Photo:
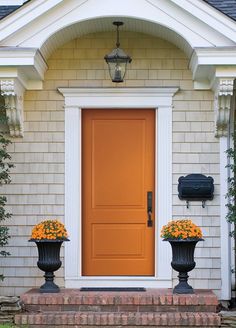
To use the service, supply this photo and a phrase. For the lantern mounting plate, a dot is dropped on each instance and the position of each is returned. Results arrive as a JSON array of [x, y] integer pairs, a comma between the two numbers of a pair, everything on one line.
[[118, 23]]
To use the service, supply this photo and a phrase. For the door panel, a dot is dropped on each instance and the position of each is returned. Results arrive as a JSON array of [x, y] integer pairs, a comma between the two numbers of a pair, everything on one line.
[[117, 172]]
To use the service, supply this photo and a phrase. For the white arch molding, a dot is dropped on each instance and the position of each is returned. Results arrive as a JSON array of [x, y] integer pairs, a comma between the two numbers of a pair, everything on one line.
[[178, 16], [77, 99]]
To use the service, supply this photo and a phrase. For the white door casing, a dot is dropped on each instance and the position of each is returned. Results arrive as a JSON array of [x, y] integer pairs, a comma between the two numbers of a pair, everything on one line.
[[77, 99]]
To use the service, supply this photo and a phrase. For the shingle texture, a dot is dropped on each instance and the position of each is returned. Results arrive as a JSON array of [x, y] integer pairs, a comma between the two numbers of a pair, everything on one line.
[[228, 7], [6, 10]]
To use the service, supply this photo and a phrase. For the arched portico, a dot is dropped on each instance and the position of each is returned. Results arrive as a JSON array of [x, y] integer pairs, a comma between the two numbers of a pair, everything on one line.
[[63, 21]]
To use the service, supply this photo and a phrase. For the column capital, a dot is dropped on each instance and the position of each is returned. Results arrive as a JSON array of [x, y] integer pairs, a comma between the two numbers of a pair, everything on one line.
[[13, 93], [224, 89]]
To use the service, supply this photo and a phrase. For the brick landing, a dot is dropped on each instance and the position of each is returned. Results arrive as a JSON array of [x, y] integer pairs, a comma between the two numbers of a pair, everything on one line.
[[155, 307]]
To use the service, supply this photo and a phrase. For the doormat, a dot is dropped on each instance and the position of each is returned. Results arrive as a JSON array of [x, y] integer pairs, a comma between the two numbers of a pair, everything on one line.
[[112, 289]]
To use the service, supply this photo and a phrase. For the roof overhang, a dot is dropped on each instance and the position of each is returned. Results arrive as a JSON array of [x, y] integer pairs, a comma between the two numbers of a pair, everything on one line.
[[207, 63], [33, 32], [26, 64]]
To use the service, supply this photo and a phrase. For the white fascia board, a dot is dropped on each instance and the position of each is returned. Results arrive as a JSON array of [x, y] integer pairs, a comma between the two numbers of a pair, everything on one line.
[[222, 23], [25, 15], [163, 12], [79, 10]]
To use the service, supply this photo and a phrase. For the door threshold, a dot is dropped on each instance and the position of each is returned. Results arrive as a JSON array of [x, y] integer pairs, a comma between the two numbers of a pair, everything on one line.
[[115, 282]]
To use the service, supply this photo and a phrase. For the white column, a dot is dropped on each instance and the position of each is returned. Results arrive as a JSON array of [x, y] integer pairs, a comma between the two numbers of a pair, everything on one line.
[[225, 226], [164, 188], [73, 191], [223, 101]]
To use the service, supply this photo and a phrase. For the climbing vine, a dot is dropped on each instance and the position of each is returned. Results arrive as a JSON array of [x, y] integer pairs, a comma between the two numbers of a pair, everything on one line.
[[231, 195], [5, 166]]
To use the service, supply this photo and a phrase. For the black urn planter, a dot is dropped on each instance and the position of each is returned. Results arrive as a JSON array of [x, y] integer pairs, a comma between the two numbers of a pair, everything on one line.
[[49, 261], [183, 262]]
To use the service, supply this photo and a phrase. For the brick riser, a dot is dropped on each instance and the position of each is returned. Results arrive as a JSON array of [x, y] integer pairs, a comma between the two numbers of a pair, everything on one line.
[[186, 319], [120, 308], [155, 307]]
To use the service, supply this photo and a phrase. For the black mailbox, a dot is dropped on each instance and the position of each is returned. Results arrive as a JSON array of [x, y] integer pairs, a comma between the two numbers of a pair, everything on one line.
[[196, 187]]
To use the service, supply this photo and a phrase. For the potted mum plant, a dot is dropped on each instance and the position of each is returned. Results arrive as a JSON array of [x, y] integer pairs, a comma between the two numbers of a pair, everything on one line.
[[49, 236], [183, 235]]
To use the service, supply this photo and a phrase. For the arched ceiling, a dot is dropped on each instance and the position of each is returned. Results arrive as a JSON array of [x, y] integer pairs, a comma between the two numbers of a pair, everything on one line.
[[105, 24]]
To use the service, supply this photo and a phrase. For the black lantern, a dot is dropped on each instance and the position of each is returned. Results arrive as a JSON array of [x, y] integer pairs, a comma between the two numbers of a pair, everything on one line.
[[117, 60]]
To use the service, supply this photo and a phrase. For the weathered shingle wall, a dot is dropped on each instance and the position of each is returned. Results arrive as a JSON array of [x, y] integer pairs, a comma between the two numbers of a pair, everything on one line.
[[37, 189]]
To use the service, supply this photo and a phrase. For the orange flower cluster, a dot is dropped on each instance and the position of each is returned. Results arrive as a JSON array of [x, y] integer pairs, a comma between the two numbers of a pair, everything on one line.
[[49, 229], [181, 229]]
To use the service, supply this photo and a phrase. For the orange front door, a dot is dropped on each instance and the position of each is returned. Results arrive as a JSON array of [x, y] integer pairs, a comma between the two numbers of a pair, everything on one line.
[[117, 173]]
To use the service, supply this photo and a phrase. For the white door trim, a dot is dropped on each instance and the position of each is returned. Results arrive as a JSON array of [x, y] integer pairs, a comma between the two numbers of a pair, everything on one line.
[[75, 100]]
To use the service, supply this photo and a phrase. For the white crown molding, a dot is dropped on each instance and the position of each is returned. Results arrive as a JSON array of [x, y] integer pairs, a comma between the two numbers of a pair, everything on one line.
[[223, 95], [27, 64], [118, 97], [12, 91], [207, 63]]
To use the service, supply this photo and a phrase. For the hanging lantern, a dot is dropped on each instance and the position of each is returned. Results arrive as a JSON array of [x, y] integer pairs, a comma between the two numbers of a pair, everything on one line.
[[117, 60]]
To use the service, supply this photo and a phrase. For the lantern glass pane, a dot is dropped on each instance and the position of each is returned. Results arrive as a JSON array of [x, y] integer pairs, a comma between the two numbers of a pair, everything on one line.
[[117, 70]]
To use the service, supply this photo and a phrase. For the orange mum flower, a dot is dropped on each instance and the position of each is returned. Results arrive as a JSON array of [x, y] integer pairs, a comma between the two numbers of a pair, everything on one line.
[[181, 229], [49, 229]]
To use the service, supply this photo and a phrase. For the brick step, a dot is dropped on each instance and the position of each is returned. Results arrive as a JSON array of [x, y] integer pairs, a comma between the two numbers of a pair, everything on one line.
[[118, 308], [128, 319], [154, 307], [152, 300]]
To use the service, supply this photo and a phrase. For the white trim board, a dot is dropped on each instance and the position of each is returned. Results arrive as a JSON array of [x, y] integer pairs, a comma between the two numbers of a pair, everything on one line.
[[77, 99]]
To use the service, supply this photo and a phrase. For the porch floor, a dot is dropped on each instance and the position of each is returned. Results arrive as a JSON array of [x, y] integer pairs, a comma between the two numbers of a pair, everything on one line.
[[153, 307]]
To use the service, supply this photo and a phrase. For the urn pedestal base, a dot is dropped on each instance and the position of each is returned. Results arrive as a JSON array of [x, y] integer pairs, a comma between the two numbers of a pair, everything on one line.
[[49, 286], [183, 262], [49, 261], [183, 287]]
